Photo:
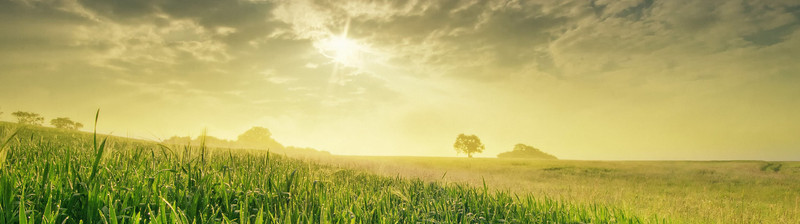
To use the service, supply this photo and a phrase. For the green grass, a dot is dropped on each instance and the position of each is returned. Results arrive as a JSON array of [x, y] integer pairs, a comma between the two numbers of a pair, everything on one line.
[[684, 191], [55, 176]]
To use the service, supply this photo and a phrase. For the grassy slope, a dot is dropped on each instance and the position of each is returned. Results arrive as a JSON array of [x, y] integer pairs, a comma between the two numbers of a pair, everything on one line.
[[47, 178], [698, 192]]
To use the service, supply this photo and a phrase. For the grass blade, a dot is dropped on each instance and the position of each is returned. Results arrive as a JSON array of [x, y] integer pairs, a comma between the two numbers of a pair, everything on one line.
[[23, 219], [3, 150], [97, 158], [98, 150]]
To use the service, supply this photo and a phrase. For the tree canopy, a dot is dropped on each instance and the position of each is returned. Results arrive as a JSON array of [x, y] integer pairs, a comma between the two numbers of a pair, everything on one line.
[[65, 123], [525, 152], [468, 144], [28, 118], [260, 137]]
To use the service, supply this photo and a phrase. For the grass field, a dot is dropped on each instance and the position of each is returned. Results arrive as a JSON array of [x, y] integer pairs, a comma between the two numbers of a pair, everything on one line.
[[684, 191], [54, 176]]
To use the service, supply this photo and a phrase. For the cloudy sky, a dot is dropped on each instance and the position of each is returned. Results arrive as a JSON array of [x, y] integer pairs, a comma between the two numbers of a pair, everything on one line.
[[618, 79]]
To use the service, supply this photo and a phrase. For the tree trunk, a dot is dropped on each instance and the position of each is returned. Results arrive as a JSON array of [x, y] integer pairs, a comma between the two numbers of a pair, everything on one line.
[[469, 155]]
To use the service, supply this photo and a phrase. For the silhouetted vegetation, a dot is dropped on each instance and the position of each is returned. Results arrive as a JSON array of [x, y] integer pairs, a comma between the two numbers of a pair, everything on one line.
[[28, 118], [468, 144], [522, 151], [209, 141], [255, 138], [258, 137], [65, 123]]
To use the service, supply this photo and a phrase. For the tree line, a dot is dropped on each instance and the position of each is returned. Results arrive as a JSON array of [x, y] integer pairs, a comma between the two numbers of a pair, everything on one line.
[[31, 118], [254, 138], [471, 144], [261, 137]]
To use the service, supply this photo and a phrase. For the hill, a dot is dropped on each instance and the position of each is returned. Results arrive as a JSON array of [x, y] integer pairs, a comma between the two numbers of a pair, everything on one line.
[[522, 151]]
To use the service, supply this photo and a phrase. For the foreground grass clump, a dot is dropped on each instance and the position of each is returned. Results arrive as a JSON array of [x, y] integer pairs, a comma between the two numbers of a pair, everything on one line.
[[54, 176]]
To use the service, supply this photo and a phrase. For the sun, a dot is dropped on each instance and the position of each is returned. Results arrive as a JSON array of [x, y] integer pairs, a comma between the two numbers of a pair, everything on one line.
[[342, 50]]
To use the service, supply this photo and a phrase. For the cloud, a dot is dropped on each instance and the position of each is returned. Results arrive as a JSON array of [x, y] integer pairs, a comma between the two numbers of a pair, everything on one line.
[[583, 64], [576, 39], [213, 46]]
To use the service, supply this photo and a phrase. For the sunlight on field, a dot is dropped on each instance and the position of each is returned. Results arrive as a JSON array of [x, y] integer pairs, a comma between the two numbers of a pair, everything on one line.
[[59, 176], [382, 111], [702, 192]]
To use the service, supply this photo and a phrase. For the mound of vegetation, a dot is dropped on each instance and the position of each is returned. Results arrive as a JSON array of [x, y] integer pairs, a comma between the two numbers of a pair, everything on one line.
[[255, 138], [59, 176], [522, 151]]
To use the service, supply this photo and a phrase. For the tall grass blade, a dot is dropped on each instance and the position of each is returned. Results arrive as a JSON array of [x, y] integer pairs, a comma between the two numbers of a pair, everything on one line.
[[94, 137], [98, 150], [23, 218], [203, 148], [4, 149], [98, 156]]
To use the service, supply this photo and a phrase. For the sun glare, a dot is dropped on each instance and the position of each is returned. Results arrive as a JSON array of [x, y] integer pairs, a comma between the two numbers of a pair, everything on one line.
[[341, 50]]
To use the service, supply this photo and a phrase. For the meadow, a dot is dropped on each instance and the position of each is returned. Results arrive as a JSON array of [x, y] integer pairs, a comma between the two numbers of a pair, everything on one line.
[[56, 176], [684, 191]]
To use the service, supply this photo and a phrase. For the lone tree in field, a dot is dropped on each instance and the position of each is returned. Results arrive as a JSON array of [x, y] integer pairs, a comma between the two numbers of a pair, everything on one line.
[[468, 144], [28, 118], [65, 123], [522, 151]]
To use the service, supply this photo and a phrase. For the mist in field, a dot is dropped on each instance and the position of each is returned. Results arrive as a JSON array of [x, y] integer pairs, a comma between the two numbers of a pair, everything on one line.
[[600, 80]]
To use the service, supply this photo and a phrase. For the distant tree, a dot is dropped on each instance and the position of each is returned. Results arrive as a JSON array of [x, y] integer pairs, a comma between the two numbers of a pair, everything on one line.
[[28, 118], [468, 144], [65, 123], [259, 137], [525, 151], [62, 122]]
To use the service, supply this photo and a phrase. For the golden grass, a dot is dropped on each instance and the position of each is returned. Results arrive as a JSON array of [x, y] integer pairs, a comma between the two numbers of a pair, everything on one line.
[[687, 191]]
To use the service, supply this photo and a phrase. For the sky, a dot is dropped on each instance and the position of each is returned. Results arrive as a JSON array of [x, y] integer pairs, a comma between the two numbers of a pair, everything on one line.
[[594, 80]]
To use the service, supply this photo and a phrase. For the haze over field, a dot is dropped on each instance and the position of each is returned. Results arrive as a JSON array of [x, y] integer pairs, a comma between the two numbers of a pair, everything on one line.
[[578, 79]]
